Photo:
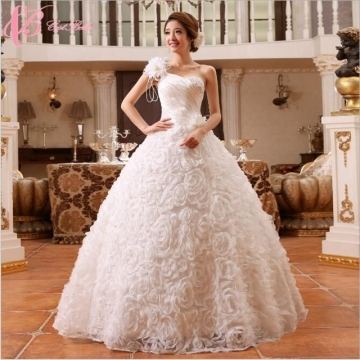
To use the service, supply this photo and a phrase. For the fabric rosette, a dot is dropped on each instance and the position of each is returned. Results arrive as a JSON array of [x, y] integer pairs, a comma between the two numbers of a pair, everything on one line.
[[187, 119], [195, 121]]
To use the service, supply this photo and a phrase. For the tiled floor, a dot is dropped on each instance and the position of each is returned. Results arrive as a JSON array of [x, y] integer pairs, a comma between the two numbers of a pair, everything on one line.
[[29, 299]]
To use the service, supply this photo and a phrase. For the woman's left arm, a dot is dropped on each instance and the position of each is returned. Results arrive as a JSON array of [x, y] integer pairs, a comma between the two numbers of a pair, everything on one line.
[[195, 137], [212, 93]]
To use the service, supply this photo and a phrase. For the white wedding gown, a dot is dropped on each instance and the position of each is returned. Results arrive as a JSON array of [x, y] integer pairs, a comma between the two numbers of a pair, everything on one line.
[[181, 258]]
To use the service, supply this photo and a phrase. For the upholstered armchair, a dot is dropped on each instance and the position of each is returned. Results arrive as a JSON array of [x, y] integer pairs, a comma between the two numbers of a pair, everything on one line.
[[31, 208], [305, 198]]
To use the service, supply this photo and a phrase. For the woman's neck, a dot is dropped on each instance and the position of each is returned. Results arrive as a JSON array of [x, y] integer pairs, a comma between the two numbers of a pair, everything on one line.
[[180, 60]]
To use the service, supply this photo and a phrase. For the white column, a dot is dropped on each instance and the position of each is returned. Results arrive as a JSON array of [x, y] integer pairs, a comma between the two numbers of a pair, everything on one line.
[[12, 253], [132, 25], [119, 19], [166, 6], [72, 20], [93, 18], [31, 7], [301, 19], [23, 16], [239, 38], [230, 99], [242, 25], [39, 38], [252, 21], [11, 68], [335, 22], [355, 13], [87, 20], [104, 37], [320, 20], [331, 100], [343, 239], [288, 32], [270, 33], [307, 23], [226, 24], [202, 14], [56, 19], [104, 98], [214, 22], [143, 23]]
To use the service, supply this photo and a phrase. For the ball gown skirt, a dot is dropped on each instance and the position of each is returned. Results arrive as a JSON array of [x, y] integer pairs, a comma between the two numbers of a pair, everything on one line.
[[181, 257]]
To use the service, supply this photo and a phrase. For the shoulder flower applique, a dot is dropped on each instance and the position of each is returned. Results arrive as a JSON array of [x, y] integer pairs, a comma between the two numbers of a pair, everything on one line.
[[155, 70]]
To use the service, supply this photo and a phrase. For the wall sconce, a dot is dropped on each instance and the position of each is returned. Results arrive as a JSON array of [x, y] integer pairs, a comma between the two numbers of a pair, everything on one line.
[[80, 111], [54, 104], [25, 114], [283, 92]]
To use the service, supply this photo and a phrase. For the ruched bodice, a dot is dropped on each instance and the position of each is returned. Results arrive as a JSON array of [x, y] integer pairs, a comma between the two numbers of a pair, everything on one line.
[[180, 94]]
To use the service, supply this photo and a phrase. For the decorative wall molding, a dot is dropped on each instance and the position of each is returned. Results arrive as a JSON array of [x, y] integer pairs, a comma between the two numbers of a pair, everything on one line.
[[48, 73], [327, 63], [12, 67], [344, 140], [86, 72], [341, 261], [232, 75], [102, 77], [279, 70], [346, 214], [14, 266]]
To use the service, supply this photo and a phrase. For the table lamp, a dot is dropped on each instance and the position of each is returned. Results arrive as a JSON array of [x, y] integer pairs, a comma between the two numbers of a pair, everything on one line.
[[25, 114], [80, 111]]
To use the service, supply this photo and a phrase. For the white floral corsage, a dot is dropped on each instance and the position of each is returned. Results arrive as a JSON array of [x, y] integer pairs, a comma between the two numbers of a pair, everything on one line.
[[199, 40], [197, 122], [156, 68]]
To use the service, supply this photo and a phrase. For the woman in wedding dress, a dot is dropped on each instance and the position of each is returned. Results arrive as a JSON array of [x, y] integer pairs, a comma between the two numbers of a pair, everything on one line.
[[181, 257]]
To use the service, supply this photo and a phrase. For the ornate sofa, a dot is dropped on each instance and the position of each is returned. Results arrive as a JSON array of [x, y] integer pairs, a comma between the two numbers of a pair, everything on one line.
[[305, 198], [76, 191]]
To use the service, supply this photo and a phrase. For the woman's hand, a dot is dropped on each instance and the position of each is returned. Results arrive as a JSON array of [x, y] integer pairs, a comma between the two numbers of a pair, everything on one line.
[[161, 125], [194, 138]]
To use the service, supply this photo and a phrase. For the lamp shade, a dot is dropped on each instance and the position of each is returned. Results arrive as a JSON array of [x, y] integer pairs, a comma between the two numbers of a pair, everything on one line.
[[80, 110], [25, 111]]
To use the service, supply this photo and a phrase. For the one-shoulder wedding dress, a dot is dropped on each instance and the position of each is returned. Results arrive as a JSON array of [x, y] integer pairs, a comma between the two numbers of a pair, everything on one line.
[[181, 258]]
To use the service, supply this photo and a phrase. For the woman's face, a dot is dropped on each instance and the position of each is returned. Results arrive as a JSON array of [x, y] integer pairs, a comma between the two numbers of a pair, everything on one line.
[[176, 38]]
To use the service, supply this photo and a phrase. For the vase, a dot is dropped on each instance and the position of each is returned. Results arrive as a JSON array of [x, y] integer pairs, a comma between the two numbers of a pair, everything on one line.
[[348, 88]]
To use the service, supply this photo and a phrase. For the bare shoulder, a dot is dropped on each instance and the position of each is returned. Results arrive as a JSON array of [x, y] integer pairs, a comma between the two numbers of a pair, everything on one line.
[[207, 71]]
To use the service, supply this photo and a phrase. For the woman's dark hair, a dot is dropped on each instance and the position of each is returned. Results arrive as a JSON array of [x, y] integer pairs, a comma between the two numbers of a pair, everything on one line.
[[189, 23]]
